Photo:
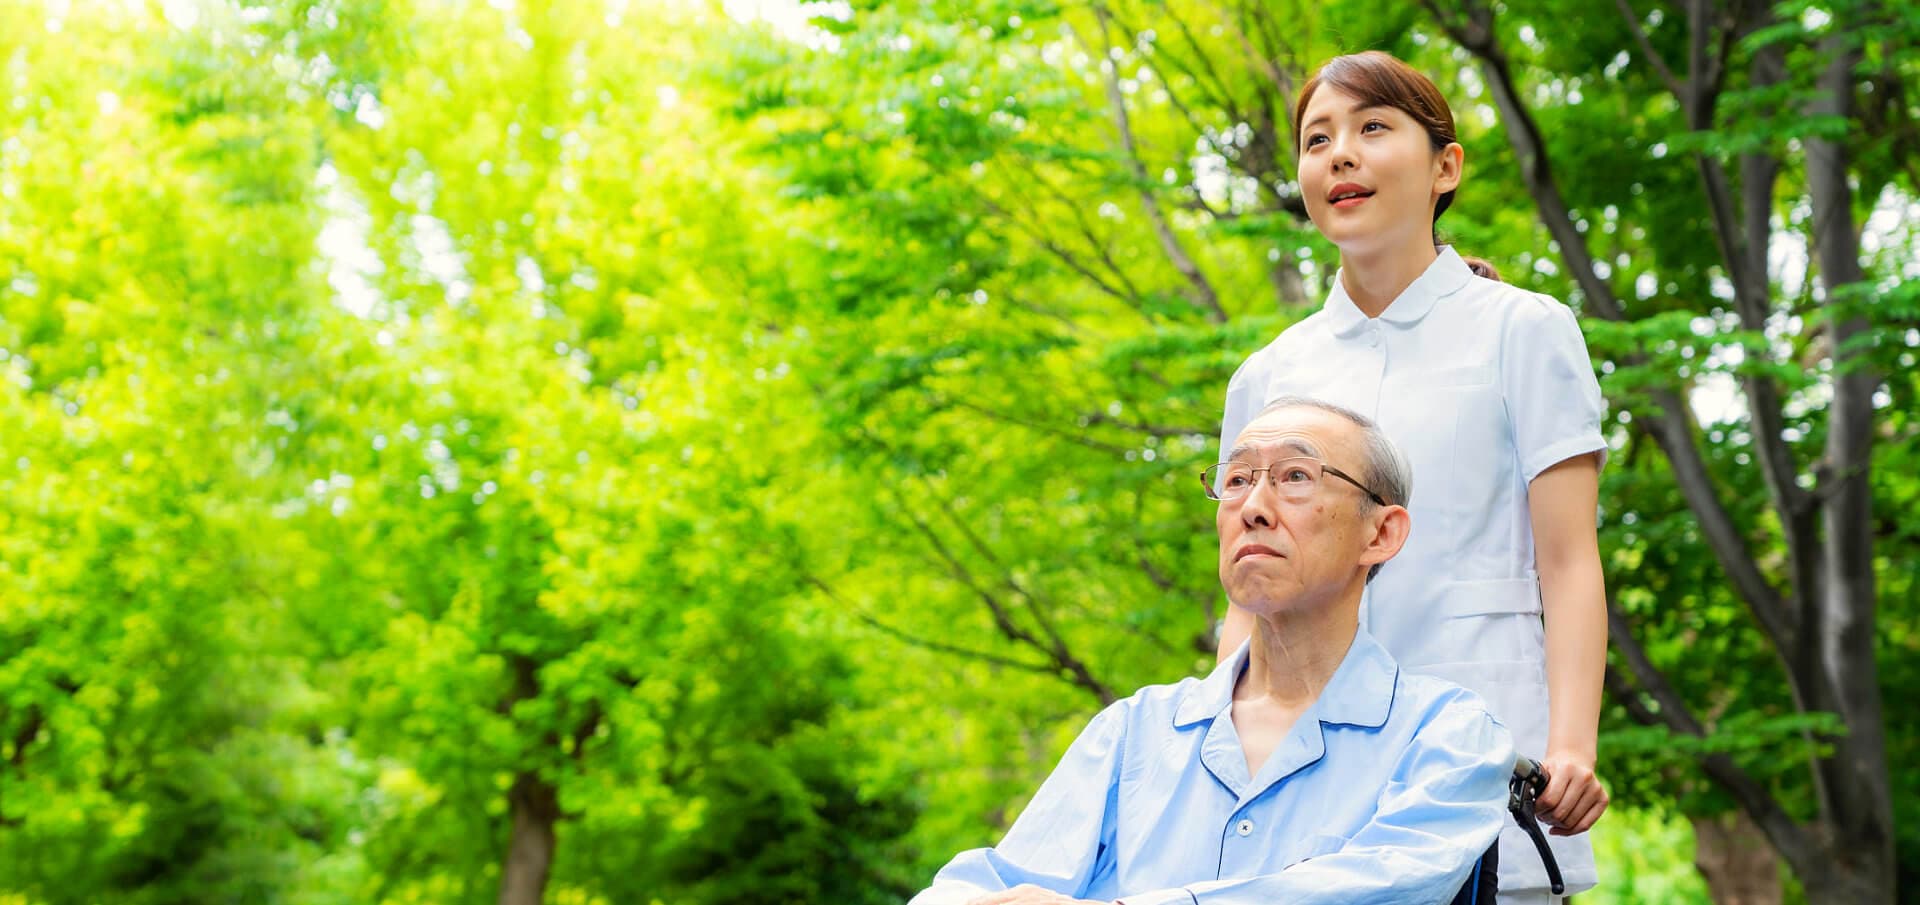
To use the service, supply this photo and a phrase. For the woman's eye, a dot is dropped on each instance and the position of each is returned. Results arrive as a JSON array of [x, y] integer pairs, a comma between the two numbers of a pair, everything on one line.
[[1315, 139], [1236, 480], [1371, 124]]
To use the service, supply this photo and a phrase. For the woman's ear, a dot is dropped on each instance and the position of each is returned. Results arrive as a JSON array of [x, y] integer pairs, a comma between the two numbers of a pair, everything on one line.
[[1447, 165]]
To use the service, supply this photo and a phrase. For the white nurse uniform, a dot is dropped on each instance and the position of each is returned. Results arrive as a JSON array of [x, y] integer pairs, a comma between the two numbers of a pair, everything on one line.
[[1483, 386]]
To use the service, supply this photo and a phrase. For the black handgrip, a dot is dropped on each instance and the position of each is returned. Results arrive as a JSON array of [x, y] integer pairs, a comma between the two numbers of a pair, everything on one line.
[[1528, 781]]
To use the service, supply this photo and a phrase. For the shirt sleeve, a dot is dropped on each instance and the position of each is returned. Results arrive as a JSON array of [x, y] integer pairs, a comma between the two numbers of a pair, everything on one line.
[[1063, 839], [1246, 396], [1552, 395], [1439, 813]]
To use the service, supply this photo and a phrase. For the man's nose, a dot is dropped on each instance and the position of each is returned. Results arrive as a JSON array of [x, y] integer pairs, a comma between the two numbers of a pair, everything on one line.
[[1258, 508]]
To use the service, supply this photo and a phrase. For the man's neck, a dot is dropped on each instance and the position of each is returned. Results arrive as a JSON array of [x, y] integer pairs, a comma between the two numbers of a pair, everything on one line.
[[1295, 653], [1374, 280]]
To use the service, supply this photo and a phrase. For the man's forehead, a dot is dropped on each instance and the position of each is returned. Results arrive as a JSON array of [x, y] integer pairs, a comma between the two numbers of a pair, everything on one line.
[[1301, 430]]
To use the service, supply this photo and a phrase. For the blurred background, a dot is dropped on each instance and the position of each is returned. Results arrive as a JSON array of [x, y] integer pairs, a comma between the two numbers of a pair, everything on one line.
[[657, 451]]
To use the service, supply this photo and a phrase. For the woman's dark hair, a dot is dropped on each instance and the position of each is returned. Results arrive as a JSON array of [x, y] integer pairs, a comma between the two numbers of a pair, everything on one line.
[[1482, 268], [1379, 80]]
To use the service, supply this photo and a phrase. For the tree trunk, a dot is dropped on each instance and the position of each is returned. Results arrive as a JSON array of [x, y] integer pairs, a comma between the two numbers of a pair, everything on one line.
[[1853, 783], [535, 807], [1825, 629], [1736, 860]]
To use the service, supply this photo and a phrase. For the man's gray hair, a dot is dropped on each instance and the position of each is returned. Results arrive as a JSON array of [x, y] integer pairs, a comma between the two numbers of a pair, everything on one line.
[[1385, 471]]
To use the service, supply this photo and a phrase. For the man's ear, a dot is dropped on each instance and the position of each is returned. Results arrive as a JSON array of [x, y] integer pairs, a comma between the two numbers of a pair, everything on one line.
[[1390, 526]]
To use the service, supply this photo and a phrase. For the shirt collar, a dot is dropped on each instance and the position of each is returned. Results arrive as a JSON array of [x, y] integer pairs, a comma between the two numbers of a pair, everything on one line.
[[1359, 694], [1445, 276]]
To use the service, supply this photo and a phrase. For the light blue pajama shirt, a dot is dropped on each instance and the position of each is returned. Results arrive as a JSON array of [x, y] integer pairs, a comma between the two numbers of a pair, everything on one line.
[[1388, 789]]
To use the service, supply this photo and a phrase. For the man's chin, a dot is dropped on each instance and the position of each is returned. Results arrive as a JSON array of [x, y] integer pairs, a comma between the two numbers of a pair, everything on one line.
[[1264, 596]]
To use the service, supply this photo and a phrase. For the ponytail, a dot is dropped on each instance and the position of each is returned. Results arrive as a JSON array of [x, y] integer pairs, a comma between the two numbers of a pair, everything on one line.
[[1481, 268]]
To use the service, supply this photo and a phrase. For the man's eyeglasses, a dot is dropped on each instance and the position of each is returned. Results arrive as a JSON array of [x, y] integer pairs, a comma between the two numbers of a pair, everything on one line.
[[1297, 479]]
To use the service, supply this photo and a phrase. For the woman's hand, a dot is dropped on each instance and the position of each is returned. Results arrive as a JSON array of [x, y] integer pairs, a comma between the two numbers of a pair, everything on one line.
[[1573, 799]]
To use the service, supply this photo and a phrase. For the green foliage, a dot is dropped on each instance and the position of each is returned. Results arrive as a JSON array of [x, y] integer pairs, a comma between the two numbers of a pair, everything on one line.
[[775, 439]]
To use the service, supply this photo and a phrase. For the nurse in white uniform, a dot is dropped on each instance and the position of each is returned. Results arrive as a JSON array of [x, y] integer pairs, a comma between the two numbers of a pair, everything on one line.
[[1488, 390]]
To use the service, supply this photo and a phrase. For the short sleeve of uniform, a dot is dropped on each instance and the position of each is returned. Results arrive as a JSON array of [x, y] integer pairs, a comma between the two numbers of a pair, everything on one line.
[[1552, 396], [1246, 396]]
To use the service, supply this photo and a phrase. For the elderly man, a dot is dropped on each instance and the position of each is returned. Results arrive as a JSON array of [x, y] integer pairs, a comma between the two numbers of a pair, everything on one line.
[[1307, 768]]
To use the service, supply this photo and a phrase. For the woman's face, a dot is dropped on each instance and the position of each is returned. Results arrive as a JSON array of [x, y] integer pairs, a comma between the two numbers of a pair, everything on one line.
[[1370, 175]]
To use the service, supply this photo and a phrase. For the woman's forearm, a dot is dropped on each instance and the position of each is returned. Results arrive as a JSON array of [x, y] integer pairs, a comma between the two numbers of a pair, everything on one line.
[[1563, 500], [1576, 623]]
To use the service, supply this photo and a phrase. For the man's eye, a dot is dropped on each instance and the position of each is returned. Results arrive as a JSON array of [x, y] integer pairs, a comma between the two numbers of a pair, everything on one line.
[[1238, 480], [1296, 476]]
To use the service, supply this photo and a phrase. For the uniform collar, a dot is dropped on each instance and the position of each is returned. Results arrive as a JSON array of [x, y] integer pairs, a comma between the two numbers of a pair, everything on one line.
[[1445, 276], [1359, 694]]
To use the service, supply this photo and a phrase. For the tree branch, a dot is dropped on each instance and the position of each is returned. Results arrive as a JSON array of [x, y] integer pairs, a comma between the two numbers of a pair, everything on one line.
[[941, 647], [1646, 48], [1124, 291], [1843, 614], [1100, 246], [1061, 654], [1053, 647], [1063, 433], [1155, 430], [1204, 297], [1673, 426], [1221, 93], [1673, 713], [1781, 830], [1743, 247]]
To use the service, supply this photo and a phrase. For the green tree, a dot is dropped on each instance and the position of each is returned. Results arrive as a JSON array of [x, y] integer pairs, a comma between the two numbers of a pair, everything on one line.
[[1071, 207], [153, 731], [1790, 119], [544, 457]]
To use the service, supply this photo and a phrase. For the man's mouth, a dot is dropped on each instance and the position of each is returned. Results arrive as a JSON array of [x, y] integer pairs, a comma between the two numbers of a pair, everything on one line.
[[1254, 550]]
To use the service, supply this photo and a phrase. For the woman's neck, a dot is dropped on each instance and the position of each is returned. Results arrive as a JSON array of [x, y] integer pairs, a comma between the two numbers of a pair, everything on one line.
[[1374, 280]]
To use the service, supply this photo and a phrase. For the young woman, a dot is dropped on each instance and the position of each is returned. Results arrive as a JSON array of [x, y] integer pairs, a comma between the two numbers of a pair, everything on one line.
[[1489, 392]]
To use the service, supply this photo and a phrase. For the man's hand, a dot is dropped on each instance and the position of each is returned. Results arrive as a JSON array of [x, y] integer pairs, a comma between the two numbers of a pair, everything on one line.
[[1029, 894], [1573, 799]]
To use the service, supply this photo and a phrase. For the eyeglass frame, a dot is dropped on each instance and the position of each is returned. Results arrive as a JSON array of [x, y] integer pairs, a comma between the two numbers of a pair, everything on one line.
[[1324, 467]]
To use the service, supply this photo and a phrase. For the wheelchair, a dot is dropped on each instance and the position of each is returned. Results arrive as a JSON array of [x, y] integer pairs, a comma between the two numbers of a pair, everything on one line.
[[1523, 788]]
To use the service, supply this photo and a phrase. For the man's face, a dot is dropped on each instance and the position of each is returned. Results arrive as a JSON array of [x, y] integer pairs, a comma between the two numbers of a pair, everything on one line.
[[1279, 554]]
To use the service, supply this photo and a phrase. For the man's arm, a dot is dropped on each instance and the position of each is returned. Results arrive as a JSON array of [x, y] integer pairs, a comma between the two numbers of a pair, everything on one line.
[[1062, 838], [1441, 811]]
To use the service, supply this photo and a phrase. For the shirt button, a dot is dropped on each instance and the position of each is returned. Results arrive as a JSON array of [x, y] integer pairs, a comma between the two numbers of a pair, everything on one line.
[[1244, 828]]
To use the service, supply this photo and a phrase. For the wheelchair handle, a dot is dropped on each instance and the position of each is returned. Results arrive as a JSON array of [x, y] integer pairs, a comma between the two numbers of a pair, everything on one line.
[[1528, 781]]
